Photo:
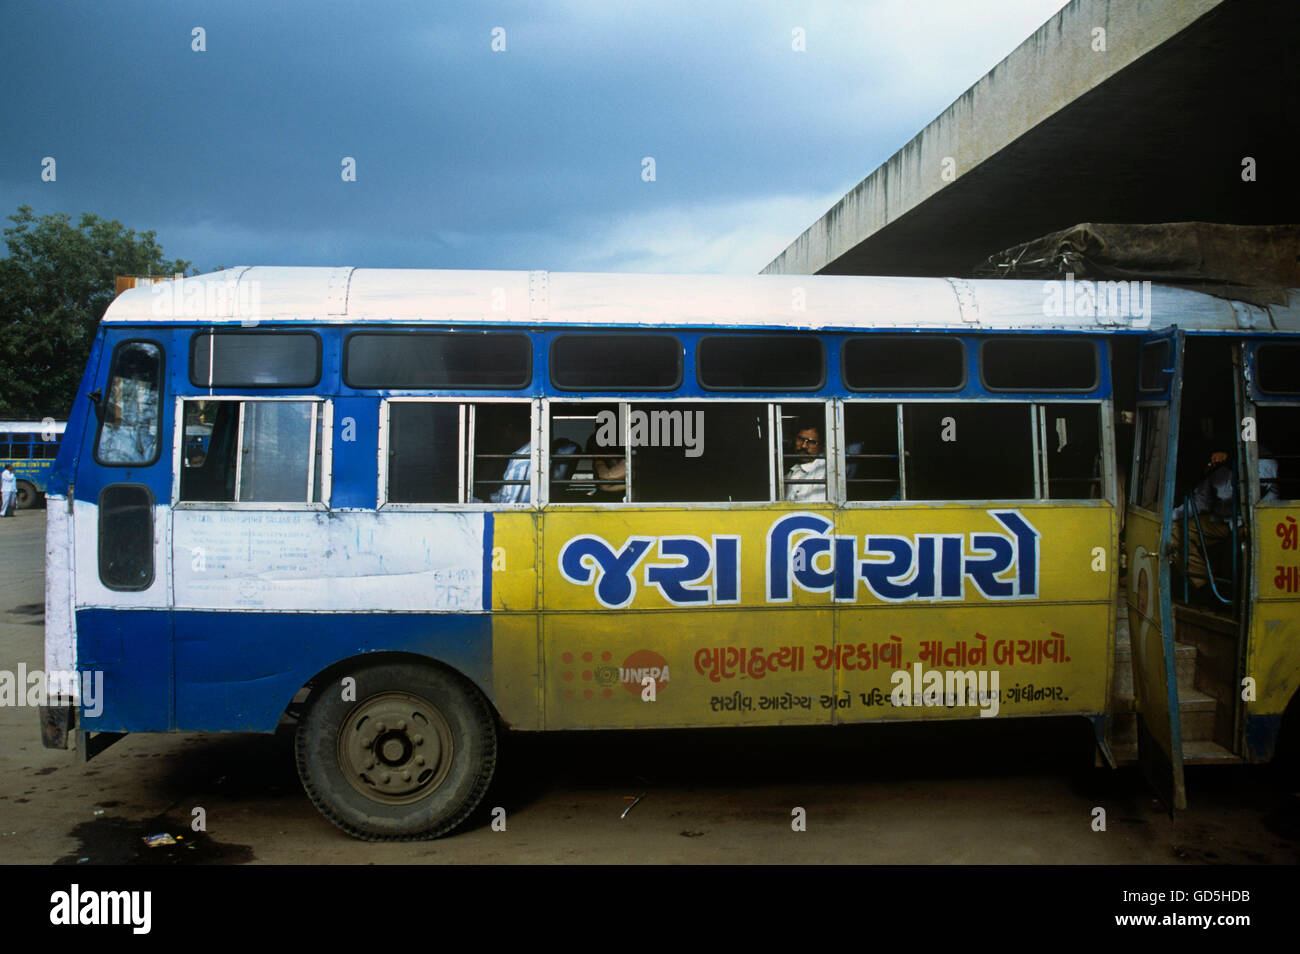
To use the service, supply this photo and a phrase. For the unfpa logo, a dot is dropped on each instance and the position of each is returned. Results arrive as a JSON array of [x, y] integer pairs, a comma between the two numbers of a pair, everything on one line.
[[643, 664]]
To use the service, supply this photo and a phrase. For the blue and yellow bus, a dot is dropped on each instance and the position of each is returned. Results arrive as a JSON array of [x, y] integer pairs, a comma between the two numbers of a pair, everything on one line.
[[30, 447], [411, 509]]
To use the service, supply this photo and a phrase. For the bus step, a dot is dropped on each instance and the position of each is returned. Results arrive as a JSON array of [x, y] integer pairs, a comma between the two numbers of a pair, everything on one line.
[[1184, 665]]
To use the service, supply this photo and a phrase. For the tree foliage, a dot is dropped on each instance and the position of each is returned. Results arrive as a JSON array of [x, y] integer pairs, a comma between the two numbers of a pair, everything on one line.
[[54, 287]]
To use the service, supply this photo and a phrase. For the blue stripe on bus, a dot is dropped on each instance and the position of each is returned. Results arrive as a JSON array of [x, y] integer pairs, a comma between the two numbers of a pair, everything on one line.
[[236, 672], [488, 530]]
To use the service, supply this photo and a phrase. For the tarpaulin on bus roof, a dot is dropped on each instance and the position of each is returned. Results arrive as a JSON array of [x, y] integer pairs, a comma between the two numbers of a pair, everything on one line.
[[1252, 263]]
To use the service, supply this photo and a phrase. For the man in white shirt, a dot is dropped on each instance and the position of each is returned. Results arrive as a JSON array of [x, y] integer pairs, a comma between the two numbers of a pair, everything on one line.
[[8, 491], [809, 468]]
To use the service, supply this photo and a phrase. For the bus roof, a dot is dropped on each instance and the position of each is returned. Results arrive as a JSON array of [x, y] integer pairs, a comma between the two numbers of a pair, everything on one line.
[[39, 427], [809, 302]]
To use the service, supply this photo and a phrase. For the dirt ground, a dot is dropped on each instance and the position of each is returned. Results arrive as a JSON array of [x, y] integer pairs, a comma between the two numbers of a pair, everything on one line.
[[1003, 793]]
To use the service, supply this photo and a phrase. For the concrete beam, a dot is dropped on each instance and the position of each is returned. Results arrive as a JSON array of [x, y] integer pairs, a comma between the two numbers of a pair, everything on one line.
[[1059, 132]]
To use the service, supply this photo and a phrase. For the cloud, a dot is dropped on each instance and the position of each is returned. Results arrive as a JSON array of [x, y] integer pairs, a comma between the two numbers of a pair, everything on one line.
[[737, 236]]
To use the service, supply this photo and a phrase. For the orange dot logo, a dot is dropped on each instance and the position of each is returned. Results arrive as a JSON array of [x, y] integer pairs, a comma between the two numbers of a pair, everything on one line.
[[642, 663]]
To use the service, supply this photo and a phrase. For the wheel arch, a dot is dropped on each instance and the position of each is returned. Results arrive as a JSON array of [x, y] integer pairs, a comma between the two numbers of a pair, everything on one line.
[[342, 667]]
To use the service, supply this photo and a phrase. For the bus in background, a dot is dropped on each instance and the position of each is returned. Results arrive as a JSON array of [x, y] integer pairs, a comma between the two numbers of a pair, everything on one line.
[[411, 508], [30, 447]]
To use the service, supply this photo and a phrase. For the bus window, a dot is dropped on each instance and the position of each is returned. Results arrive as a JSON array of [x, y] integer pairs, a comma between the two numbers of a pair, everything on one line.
[[903, 363], [968, 451], [588, 460], [608, 362], [1073, 450], [761, 363], [1153, 426], [1279, 452], [128, 434], [1277, 368], [699, 452], [503, 452], [800, 452], [257, 451], [1035, 363], [437, 359], [126, 537], [871, 452], [234, 359], [21, 448], [428, 440]]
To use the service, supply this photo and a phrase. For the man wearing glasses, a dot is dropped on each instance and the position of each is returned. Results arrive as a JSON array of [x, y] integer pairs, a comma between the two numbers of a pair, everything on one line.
[[807, 478]]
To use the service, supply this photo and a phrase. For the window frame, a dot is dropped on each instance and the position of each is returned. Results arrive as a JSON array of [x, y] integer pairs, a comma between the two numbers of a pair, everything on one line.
[[1042, 475], [775, 454], [961, 346], [102, 538], [162, 388], [408, 332], [1271, 397], [1092, 343], [326, 456], [762, 389], [634, 389], [215, 333], [465, 453]]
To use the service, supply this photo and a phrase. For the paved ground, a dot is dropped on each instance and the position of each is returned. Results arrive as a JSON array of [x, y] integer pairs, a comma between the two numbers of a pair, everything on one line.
[[1003, 793]]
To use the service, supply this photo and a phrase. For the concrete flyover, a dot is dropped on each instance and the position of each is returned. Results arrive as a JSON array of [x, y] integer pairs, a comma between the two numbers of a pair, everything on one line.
[[1154, 128]]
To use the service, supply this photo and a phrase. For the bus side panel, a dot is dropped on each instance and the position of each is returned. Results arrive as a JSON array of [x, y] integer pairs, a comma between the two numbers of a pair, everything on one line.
[[1273, 654], [275, 597], [678, 600], [1049, 644], [128, 653], [236, 672]]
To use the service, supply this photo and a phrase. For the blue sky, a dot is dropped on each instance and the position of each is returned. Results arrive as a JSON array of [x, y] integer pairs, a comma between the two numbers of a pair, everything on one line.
[[469, 158]]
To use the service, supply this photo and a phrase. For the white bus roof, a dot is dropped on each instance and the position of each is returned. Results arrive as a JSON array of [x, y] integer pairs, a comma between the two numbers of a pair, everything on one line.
[[39, 427], [246, 294]]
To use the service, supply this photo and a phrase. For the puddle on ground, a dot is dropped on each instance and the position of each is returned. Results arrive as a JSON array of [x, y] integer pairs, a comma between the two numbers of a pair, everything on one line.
[[120, 841]]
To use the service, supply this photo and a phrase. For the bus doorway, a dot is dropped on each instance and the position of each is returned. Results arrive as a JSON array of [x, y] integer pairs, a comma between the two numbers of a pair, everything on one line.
[[1210, 548]]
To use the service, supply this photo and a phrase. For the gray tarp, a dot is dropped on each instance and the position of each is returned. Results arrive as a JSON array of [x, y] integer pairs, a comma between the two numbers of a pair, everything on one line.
[[1253, 263]]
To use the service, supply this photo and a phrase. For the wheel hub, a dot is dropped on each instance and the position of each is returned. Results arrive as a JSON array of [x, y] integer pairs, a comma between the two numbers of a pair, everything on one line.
[[395, 747]]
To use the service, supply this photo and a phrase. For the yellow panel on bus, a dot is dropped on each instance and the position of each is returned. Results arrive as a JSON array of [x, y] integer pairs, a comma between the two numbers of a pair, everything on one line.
[[784, 615]]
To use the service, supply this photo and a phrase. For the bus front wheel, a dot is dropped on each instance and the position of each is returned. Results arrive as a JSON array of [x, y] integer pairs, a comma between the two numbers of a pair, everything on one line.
[[26, 495], [397, 751]]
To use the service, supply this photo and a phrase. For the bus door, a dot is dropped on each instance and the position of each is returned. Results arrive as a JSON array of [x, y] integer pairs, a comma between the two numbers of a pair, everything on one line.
[[1270, 385], [121, 534], [1148, 539]]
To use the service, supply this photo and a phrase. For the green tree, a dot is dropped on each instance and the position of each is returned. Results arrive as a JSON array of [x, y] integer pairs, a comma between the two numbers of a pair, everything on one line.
[[54, 287]]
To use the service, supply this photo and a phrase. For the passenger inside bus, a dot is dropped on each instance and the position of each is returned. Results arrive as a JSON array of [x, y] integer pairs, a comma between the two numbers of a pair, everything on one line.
[[806, 479]]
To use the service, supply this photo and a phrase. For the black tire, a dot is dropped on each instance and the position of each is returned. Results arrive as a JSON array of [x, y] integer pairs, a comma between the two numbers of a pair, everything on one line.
[[369, 765], [27, 495]]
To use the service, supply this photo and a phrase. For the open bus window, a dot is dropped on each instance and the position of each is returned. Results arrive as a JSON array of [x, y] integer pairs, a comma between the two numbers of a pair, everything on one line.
[[443, 452], [1279, 452], [252, 451], [1073, 450], [968, 451], [871, 452], [588, 459], [129, 428], [503, 452], [680, 452], [799, 454], [699, 453]]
